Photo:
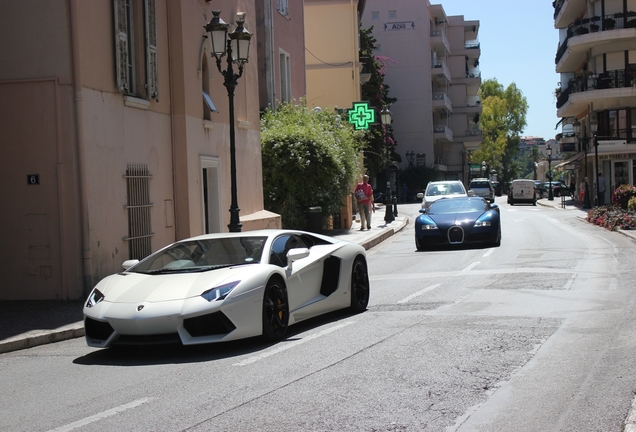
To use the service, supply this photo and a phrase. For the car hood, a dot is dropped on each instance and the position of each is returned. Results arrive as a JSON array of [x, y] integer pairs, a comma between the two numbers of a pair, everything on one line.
[[138, 287], [446, 220]]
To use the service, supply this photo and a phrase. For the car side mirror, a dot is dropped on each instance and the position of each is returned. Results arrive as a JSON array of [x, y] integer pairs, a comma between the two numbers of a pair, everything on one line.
[[420, 195], [297, 254], [129, 263], [471, 193]]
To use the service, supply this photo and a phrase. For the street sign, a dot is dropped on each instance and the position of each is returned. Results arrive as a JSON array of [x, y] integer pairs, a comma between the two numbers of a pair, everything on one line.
[[361, 115]]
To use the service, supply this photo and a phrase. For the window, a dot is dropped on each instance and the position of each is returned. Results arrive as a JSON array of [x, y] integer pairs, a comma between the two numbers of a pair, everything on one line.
[[392, 14], [208, 105], [375, 15], [138, 206], [136, 48], [285, 77], [283, 7]]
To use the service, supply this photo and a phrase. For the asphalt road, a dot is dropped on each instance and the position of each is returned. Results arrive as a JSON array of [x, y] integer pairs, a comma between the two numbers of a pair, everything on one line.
[[536, 335]]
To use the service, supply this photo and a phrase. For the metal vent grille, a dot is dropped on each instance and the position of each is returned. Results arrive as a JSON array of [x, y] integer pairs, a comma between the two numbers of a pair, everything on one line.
[[138, 206]]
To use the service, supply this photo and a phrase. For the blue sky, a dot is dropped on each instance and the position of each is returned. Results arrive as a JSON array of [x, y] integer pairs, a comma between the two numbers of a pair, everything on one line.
[[518, 44]]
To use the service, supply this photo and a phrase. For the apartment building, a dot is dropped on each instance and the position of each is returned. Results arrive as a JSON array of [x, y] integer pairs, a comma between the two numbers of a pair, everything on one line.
[[436, 80], [115, 135], [596, 101]]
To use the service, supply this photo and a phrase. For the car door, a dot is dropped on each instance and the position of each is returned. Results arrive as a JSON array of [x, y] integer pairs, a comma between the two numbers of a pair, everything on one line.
[[304, 276]]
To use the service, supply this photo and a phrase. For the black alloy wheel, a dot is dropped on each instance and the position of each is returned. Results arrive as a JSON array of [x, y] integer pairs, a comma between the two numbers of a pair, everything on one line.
[[275, 310], [359, 286]]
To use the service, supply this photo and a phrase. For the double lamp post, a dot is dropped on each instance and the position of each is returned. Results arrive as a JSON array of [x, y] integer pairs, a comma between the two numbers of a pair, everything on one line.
[[586, 140], [389, 202], [237, 46]]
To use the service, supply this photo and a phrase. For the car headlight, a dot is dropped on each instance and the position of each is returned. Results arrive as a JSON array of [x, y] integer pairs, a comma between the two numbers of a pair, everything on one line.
[[482, 223], [220, 292], [426, 227], [94, 298]]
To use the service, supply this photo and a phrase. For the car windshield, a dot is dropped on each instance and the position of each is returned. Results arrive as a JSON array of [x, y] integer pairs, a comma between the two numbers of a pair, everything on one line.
[[479, 185], [202, 255], [456, 205], [445, 189]]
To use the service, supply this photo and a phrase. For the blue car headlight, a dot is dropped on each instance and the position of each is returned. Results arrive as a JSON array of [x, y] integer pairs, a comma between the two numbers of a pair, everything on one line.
[[426, 227], [220, 292], [94, 298], [426, 223], [482, 223]]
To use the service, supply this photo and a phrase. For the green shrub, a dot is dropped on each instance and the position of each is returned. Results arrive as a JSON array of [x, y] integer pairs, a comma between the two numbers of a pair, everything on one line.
[[309, 159], [631, 204]]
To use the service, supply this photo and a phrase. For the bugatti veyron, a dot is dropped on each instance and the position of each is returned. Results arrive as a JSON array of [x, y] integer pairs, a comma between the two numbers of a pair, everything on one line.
[[458, 221], [222, 287]]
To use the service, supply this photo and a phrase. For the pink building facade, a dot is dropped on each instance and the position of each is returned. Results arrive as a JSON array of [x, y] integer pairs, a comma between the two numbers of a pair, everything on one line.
[[115, 131]]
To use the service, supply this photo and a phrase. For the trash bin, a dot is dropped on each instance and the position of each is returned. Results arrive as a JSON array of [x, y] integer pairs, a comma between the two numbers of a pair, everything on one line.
[[314, 219]]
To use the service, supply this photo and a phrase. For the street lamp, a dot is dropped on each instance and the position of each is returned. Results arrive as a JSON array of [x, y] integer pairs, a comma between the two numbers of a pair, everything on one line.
[[237, 46], [593, 129], [548, 150], [584, 140], [386, 118], [483, 167]]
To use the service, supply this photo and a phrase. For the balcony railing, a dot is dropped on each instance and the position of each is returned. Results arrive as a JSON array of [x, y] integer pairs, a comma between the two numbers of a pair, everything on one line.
[[595, 24], [471, 45], [590, 81], [557, 7]]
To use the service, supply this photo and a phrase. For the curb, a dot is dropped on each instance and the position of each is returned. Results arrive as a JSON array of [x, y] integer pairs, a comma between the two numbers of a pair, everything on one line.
[[385, 234], [70, 331]]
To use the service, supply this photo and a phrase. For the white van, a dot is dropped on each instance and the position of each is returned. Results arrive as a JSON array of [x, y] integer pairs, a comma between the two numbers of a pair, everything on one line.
[[522, 191]]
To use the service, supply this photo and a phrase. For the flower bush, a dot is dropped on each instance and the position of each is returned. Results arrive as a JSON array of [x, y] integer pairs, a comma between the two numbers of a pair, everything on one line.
[[612, 217], [623, 194]]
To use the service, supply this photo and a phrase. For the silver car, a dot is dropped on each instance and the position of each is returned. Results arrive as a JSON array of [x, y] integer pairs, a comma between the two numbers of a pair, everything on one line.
[[441, 189], [482, 187]]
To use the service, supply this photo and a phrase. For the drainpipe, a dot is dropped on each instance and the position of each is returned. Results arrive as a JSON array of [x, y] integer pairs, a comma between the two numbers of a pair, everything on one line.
[[81, 154]]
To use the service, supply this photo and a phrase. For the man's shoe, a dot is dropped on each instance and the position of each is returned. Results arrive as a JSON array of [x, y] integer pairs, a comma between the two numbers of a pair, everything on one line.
[[361, 229]]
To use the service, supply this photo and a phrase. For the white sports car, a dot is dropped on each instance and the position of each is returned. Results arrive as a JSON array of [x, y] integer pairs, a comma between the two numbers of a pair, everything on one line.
[[222, 287]]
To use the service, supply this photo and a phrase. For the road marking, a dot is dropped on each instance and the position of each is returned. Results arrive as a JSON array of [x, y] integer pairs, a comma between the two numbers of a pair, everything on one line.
[[101, 416], [471, 266], [412, 296], [487, 254], [485, 272], [289, 345]]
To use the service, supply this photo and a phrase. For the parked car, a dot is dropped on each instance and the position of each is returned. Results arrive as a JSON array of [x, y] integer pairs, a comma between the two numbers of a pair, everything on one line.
[[482, 187], [522, 191], [558, 188], [221, 287], [441, 189], [540, 188], [458, 221]]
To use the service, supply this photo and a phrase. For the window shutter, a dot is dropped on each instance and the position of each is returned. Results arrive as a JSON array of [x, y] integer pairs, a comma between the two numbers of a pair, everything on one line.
[[152, 66], [121, 46]]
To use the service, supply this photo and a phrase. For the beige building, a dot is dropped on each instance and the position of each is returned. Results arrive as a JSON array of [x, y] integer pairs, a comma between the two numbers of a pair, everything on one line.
[[435, 79], [596, 58], [115, 133]]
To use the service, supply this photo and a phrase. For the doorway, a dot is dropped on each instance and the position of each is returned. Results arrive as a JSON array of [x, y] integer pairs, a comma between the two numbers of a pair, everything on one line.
[[211, 194]]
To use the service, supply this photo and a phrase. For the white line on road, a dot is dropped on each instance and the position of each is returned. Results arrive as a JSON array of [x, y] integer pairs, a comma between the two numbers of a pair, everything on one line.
[[412, 296], [471, 266], [487, 254], [288, 345], [100, 416]]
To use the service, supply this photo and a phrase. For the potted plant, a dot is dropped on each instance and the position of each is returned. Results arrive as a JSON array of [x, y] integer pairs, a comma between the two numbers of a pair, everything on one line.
[[594, 27], [581, 30], [609, 23]]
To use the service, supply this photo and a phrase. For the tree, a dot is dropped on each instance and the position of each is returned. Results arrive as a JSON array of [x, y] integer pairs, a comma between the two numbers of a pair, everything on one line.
[[380, 143], [503, 119], [309, 159]]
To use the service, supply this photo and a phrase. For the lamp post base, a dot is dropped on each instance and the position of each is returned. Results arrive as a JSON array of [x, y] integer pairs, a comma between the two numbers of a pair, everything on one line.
[[586, 198]]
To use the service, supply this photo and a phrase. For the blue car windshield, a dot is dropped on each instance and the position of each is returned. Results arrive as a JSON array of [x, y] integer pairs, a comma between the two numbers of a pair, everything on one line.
[[456, 205], [203, 254]]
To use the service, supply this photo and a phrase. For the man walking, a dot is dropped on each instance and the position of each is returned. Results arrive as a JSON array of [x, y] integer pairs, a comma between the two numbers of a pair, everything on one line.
[[364, 196], [600, 185]]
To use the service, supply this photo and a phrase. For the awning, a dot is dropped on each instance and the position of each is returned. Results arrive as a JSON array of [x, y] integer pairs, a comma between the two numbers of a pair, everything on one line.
[[574, 158]]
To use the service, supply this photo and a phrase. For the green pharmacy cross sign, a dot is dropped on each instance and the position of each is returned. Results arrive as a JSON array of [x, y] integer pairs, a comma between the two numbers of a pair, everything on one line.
[[361, 116]]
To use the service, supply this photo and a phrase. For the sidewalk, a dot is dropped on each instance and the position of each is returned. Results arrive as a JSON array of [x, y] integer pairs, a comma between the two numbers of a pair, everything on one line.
[[25, 323], [575, 206]]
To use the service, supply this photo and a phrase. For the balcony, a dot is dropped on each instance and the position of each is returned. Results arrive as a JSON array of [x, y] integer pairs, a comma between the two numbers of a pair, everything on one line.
[[442, 133], [441, 71], [439, 40], [473, 107], [590, 32], [442, 101], [607, 90]]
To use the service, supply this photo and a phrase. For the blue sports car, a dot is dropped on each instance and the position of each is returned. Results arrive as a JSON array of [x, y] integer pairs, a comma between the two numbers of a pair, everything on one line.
[[458, 221]]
